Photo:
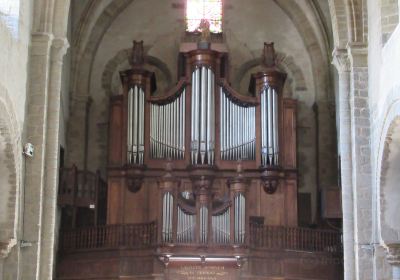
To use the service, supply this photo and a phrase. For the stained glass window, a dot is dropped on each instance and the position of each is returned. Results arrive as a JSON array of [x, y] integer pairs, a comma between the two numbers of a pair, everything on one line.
[[9, 14], [211, 10]]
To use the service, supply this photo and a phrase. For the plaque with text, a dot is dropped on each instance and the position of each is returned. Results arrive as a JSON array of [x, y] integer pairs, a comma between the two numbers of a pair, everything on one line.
[[202, 272]]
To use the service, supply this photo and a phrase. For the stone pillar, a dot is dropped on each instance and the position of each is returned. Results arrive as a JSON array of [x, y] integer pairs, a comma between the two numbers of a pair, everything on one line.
[[361, 158], [342, 63], [36, 131], [393, 256], [58, 51], [43, 118]]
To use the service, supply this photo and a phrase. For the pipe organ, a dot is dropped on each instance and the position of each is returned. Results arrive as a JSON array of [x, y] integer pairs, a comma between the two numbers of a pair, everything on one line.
[[201, 177], [202, 158]]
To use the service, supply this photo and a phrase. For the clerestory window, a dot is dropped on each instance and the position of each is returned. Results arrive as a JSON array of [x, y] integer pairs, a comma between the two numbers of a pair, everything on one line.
[[9, 14], [211, 10]]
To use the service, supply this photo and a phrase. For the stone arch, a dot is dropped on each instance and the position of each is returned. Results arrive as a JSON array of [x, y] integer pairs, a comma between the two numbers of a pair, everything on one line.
[[286, 63], [389, 176], [339, 23], [316, 43], [123, 57], [86, 47], [9, 181]]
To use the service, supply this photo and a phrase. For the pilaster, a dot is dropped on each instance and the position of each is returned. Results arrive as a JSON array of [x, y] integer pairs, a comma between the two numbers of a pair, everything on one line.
[[342, 63], [361, 158]]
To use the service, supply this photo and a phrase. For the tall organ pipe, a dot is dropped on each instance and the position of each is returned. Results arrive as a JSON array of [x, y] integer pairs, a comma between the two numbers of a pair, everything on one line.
[[167, 133], [269, 127], [237, 130], [203, 116], [168, 204], [135, 137]]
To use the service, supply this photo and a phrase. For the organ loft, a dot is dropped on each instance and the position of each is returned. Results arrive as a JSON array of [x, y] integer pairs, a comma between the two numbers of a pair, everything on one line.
[[202, 181]]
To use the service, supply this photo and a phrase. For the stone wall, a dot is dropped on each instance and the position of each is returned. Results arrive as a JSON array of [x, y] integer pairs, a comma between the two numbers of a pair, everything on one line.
[[15, 37]]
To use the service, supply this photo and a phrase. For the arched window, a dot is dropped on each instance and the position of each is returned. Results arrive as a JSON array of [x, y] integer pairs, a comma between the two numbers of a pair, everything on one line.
[[211, 10], [9, 14]]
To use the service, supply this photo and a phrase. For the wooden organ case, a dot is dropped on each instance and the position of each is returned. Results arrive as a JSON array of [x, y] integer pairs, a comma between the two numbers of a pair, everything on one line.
[[219, 157], [203, 178]]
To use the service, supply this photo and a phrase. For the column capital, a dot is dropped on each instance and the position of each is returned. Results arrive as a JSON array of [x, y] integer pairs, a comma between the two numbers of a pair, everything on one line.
[[59, 49], [393, 254], [341, 60], [358, 54]]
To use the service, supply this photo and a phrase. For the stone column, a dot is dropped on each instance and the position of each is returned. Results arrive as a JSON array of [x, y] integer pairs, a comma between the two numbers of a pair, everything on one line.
[[36, 131], [342, 63], [43, 118], [58, 51], [361, 158], [393, 257]]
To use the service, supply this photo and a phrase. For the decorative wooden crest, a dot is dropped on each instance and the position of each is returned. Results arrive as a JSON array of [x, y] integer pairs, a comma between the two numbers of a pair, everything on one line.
[[269, 55], [137, 57]]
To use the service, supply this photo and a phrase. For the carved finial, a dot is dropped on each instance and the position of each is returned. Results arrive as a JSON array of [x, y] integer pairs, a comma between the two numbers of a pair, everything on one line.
[[137, 57], [269, 55]]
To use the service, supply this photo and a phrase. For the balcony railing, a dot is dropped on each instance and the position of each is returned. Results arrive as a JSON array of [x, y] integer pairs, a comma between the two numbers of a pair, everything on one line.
[[132, 236], [139, 236], [294, 238]]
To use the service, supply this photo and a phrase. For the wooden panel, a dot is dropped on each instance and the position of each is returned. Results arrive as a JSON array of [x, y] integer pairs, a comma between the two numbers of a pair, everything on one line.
[[115, 131], [115, 201], [273, 207], [136, 206], [291, 203], [331, 203], [289, 134], [305, 211]]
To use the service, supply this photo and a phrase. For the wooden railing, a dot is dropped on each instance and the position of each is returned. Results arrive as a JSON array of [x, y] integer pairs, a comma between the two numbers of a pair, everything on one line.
[[139, 236], [133, 236], [299, 239]]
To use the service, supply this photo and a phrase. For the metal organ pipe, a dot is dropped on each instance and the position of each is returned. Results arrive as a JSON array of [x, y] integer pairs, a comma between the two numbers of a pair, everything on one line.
[[237, 130], [203, 116], [135, 138], [221, 227], [168, 204], [240, 218], [185, 226], [269, 127], [167, 132]]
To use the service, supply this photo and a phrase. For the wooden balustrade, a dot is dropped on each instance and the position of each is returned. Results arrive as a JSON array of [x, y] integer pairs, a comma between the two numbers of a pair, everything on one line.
[[137, 236], [299, 239], [133, 236]]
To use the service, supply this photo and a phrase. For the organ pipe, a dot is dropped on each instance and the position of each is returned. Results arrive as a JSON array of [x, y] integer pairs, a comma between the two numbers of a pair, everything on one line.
[[239, 218], [167, 129], [168, 207], [221, 227], [185, 226], [269, 127], [203, 224], [203, 116], [135, 138], [237, 130]]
